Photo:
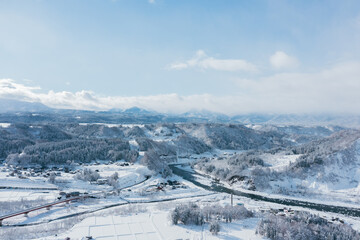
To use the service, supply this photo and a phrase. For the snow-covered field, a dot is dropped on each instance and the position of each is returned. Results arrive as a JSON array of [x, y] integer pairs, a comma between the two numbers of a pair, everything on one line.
[[7, 195], [278, 161], [155, 225]]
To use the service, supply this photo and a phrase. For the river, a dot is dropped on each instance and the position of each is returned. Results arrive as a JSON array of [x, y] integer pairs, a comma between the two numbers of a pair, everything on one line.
[[191, 176]]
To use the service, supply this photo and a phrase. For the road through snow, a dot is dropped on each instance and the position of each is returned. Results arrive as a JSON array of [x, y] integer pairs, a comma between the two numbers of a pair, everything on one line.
[[191, 177]]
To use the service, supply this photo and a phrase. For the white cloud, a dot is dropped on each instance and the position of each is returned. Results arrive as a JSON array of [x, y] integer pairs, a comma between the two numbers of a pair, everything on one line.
[[280, 60], [11, 89], [202, 61], [178, 66], [333, 90], [151, 1], [88, 100]]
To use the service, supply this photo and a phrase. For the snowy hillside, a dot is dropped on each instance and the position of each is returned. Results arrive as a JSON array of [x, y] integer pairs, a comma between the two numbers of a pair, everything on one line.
[[327, 168]]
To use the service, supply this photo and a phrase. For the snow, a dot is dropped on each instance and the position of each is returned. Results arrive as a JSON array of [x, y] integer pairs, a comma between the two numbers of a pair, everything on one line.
[[337, 181], [10, 182], [122, 222], [133, 125], [5, 125], [156, 225], [279, 161], [133, 144], [162, 134], [213, 155], [7, 195], [110, 215], [114, 125]]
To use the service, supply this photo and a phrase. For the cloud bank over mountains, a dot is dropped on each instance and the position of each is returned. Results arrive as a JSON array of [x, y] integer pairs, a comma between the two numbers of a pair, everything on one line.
[[332, 90]]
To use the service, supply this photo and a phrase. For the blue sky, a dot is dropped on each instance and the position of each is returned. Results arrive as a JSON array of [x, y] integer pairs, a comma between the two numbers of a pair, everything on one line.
[[178, 55]]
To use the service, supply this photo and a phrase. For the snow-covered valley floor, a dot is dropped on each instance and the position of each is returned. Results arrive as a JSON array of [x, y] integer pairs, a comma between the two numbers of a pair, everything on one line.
[[140, 210]]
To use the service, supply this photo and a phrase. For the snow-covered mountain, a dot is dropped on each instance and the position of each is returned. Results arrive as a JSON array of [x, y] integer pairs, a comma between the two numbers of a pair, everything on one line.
[[17, 111], [299, 119]]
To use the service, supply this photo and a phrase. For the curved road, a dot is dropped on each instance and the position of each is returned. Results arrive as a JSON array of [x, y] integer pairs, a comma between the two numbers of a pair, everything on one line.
[[103, 208], [97, 209], [191, 176], [67, 200]]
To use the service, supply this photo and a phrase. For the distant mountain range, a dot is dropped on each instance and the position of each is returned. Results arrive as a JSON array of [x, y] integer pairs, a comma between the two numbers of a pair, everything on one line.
[[20, 111], [10, 105], [133, 110]]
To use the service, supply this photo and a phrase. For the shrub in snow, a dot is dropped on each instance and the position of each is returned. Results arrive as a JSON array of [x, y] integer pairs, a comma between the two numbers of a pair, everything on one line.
[[303, 225], [113, 180], [214, 227], [192, 214], [88, 175], [187, 214], [52, 178]]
